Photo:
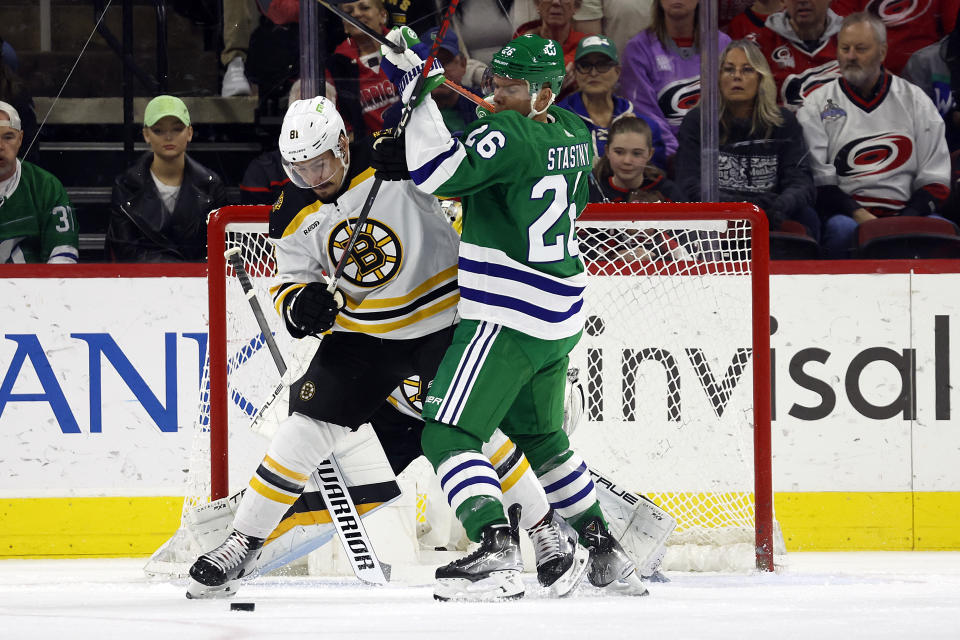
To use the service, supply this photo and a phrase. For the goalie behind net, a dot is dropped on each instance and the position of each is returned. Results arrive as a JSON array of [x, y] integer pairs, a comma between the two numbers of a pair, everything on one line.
[[666, 363]]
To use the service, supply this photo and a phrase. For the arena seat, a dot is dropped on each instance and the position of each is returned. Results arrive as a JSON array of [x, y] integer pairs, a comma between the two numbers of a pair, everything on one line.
[[791, 242], [908, 237]]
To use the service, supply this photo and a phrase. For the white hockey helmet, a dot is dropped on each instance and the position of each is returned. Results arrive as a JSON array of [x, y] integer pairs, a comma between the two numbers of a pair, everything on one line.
[[310, 129]]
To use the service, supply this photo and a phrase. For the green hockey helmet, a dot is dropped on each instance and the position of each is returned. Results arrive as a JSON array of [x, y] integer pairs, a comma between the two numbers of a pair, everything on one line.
[[532, 58]]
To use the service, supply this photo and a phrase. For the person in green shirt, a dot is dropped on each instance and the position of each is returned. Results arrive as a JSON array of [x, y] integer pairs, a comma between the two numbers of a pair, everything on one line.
[[37, 222]]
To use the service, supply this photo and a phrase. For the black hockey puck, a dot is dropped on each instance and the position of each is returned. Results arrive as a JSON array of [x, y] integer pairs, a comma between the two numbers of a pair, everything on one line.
[[242, 606]]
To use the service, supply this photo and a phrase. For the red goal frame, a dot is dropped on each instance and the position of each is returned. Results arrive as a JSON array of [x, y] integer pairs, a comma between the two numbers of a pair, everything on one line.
[[220, 219]]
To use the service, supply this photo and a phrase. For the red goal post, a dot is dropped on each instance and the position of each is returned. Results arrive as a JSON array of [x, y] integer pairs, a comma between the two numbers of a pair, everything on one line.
[[643, 249]]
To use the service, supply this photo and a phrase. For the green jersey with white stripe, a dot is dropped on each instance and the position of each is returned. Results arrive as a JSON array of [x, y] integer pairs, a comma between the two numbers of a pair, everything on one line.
[[37, 222], [522, 184]]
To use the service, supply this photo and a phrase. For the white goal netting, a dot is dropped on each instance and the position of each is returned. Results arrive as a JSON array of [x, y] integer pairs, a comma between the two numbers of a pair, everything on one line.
[[666, 362]]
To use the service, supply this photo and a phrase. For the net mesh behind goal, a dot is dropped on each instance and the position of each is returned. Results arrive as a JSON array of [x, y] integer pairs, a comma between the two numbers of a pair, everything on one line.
[[676, 340]]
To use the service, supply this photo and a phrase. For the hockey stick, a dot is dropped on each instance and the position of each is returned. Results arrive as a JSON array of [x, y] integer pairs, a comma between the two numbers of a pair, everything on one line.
[[404, 119], [328, 476], [453, 86]]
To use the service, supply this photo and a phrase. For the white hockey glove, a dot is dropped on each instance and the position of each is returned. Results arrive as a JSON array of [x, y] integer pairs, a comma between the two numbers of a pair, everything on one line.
[[404, 68]]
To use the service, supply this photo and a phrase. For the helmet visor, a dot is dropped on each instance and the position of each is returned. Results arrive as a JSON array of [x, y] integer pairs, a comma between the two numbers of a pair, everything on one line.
[[315, 172]]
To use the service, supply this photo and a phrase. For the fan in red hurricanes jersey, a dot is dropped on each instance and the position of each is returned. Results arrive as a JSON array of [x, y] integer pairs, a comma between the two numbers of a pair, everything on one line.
[[801, 46], [749, 24], [877, 144], [911, 24]]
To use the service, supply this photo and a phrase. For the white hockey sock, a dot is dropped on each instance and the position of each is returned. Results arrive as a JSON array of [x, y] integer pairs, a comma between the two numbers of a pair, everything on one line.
[[300, 444], [468, 475], [569, 488], [519, 483]]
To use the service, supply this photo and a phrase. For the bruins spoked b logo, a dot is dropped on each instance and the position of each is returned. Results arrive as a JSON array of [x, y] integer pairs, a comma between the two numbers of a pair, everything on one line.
[[307, 391], [376, 256]]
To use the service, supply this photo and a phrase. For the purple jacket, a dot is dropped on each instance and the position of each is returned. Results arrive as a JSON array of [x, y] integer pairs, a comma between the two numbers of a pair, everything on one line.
[[662, 82]]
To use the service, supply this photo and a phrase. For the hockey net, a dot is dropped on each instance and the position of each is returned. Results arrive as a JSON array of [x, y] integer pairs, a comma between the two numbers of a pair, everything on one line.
[[674, 363]]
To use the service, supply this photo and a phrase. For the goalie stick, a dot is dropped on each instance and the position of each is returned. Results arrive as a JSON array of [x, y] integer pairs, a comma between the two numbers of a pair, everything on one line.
[[404, 119], [328, 476]]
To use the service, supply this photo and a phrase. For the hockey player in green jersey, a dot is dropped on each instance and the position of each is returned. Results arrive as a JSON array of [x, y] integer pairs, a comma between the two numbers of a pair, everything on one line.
[[37, 223], [521, 174]]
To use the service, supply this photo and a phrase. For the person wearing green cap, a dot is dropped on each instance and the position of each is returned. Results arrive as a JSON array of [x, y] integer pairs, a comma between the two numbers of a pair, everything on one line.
[[159, 207], [597, 71]]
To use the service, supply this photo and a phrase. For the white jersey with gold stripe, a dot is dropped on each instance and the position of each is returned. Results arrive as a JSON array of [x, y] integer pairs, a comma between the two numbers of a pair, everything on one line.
[[400, 280]]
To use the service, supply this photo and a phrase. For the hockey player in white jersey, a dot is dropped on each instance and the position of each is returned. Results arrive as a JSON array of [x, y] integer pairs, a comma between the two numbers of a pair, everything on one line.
[[392, 317], [877, 145]]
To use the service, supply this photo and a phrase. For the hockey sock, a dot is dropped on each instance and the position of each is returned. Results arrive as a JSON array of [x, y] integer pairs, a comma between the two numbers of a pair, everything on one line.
[[519, 483], [300, 444], [473, 491], [273, 488], [569, 488]]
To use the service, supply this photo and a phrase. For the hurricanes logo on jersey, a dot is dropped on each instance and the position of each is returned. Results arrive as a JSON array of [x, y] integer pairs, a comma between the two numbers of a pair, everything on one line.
[[895, 13], [678, 97], [873, 155], [797, 87], [376, 256], [783, 57]]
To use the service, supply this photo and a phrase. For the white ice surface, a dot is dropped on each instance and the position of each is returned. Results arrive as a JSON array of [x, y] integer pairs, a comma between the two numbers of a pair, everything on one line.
[[821, 595]]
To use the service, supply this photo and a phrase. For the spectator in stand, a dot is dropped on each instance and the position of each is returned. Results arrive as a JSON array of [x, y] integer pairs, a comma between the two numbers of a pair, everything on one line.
[[159, 206], [556, 23], [239, 20], [762, 158], [264, 179], [597, 70], [936, 70], [457, 111], [363, 92], [624, 173], [37, 223], [800, 44], [910, 25], [729, 9], [15, 92], [619, 20], [876, 141], [661, 65], [749, 23]]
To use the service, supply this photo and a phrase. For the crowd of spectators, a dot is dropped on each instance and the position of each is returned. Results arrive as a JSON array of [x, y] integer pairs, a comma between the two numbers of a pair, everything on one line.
[[832, 112]]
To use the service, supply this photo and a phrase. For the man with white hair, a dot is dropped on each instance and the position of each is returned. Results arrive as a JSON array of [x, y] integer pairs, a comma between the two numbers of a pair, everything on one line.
[[877, 144], [37, 223]]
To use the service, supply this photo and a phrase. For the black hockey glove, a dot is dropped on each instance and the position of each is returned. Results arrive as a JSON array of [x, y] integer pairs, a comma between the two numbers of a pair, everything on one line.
[[389, 157], [315, 309]]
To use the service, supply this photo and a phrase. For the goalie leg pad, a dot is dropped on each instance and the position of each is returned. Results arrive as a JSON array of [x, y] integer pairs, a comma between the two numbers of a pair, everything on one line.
[[641, 527]]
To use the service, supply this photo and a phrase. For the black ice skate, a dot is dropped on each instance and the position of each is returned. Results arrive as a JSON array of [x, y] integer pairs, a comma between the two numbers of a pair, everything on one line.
[[490, 573], [611, 569], [561, 560], [216, 573]]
